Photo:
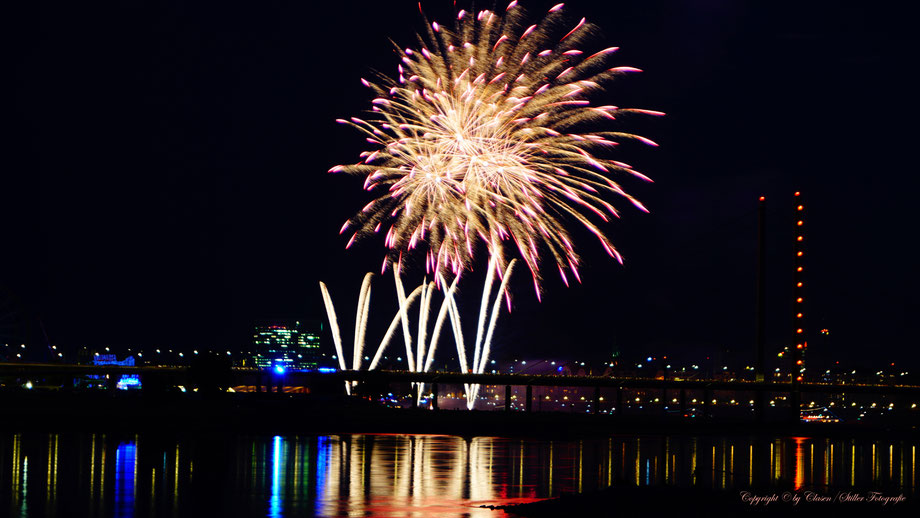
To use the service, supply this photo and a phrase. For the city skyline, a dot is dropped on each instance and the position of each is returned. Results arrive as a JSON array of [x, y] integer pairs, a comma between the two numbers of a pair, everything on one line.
[[202, 207]]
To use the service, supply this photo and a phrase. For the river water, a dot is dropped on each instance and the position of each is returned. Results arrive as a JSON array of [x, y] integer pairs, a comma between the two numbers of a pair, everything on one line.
[[90, 475]]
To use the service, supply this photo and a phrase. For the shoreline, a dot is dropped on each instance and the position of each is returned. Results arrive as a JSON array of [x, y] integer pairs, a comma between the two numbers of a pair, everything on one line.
[[645, 501], [329, 415]]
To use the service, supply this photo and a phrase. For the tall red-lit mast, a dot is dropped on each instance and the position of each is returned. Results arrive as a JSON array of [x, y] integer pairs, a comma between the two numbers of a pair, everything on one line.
[[798, 318], [760, 333]]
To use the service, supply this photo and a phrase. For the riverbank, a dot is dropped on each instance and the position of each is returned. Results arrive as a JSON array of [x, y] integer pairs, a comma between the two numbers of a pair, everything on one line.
[[322, 415], [651, 501]]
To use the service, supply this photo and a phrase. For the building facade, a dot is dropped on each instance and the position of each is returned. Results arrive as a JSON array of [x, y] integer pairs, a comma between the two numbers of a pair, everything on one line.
[[287, 345]]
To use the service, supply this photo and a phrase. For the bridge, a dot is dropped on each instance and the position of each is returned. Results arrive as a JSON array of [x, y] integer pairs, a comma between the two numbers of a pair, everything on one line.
[[265, 380]]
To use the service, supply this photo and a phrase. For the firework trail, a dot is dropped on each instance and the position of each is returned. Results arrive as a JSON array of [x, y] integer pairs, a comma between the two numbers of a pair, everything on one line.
[[426, 344], [364, 298], [484, 140]]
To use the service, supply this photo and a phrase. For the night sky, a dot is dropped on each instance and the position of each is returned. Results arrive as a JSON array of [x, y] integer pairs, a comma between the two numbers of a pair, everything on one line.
[[167, 183]]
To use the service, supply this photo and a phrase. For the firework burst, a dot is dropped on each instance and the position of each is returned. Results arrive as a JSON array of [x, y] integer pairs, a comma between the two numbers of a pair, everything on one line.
[[487, 139]]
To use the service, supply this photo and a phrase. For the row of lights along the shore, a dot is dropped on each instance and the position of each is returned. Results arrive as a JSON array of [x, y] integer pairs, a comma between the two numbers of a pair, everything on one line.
[[798, 354]]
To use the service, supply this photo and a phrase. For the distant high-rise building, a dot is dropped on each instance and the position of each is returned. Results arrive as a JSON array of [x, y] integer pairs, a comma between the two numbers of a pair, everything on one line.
[[290, 345]]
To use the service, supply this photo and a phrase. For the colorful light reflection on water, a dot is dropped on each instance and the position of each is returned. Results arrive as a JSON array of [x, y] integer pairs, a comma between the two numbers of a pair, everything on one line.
[[407, 475]]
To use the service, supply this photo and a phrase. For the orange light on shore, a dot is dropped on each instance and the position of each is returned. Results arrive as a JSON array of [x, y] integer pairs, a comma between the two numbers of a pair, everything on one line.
[[800, 223], [798, 285], [798, 269], [797, 193], [799, 300]]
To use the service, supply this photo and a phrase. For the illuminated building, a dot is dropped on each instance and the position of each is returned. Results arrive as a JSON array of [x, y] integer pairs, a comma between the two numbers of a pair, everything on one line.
[[125, 381], [286, 345]]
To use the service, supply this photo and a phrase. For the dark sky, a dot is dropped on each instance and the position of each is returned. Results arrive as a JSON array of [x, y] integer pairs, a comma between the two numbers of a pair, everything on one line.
[[167, 176]]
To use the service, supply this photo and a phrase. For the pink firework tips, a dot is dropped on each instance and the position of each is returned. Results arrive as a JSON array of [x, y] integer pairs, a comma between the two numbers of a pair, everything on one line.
[[638, 204], [606, 51], [648, 112], [472, 142], [579, 26]]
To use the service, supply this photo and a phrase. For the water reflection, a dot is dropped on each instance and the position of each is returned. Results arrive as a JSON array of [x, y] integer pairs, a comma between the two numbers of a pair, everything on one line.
[[274, 506], [125, 479], [403, 475]]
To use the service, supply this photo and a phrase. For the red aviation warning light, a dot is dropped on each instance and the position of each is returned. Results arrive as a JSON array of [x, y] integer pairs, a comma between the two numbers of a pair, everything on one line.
[[798, 326]]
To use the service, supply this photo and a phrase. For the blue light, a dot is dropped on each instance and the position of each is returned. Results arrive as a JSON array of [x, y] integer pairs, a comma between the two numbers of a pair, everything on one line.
[[129, 381], [648, 359], [326, 370], [279, 369], [559, 369], [274, 503], [125, 478]]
